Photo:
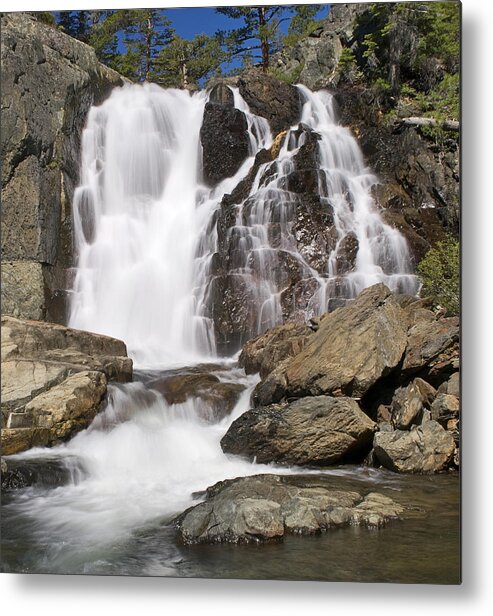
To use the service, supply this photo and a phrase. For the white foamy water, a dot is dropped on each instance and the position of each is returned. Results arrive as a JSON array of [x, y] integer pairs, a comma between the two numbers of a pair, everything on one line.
[[139, 461]]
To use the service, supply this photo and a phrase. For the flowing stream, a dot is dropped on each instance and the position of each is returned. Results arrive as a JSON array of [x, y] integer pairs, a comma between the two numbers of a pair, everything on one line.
[[144, 240]]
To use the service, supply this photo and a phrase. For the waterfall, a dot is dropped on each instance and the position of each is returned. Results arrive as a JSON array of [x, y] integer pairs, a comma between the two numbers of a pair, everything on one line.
[[147, 241], [145, 225]]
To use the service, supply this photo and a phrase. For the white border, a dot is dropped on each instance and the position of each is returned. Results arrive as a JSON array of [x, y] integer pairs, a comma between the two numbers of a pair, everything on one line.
[[79, 595]]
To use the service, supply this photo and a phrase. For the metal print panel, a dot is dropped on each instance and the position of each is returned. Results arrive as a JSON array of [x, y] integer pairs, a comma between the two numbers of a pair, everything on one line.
[[230, 292]]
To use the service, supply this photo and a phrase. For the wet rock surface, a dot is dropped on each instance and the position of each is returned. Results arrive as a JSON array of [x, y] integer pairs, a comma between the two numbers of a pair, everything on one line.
[[276, 101], [300, 225], [218, 397], [225, 141], [316, 431], [45, 472], [267, 507]]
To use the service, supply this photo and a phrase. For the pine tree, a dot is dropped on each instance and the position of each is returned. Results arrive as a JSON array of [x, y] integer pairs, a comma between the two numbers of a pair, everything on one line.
[[146, 32], [257, 37], [184, 63]]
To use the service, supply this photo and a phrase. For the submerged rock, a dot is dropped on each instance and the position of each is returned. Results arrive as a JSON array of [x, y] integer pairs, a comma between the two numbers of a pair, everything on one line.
[[267, 507], [46, 472], [311, 431], [218, 397]]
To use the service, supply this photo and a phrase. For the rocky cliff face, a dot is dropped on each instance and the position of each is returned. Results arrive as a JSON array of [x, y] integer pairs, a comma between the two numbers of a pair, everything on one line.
[[49, 82]]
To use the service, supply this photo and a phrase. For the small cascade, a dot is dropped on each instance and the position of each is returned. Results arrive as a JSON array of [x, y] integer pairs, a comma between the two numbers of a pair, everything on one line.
[[345, 186], [349, 247]]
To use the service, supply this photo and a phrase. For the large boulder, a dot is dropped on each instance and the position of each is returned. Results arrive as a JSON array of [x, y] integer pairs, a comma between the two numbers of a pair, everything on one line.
[[446, 409], [353, 348], [54, 379], [424, 449], [409, 403], [276, 101], [433, 349], [267, 507], [48, 342], [312, 431], [314, 60], [49, 82], [225, 141]]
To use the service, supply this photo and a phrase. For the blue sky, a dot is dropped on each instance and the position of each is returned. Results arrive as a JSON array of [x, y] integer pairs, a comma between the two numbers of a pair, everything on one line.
[[191, 21], [188, 22]]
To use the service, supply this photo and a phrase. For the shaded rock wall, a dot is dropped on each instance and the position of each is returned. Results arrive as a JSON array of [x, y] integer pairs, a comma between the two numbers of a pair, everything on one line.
[[49, 82]]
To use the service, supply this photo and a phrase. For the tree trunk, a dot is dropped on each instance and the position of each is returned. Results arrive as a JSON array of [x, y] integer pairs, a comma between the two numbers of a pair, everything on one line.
[[184, 74], [264, 42], [148, 51], [415, 122]]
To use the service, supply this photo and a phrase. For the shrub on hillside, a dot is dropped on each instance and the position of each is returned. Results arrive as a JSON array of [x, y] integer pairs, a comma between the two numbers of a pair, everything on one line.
[[440, 272]]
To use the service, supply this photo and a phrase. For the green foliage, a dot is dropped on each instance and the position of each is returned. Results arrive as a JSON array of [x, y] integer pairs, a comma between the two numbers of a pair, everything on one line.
[[347, 59], [410, 45], [442, 102], [45, 17], [183, 63], [145, 33], [302, 24], [439, 272]]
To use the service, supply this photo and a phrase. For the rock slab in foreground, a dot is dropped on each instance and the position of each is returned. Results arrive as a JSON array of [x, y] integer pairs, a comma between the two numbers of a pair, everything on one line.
[[311, 431], [54, 380], [267, 507]]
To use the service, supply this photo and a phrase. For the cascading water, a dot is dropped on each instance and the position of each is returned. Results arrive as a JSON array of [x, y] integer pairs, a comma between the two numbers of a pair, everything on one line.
[[136, 221], [146, 236], [345, 186], [285, 277]]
